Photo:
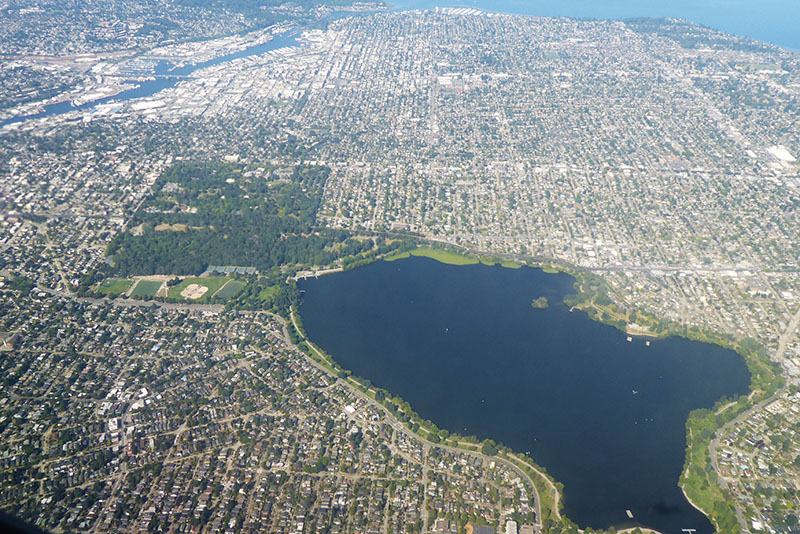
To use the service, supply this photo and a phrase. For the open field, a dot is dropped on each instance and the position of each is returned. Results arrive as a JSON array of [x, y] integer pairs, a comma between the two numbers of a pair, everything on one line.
[[194, 291], [229, 290], [213, 283], [267, 292], [443, 256], [146, 288], [489, 260], [114, 286], [172, 227], [453, 258]]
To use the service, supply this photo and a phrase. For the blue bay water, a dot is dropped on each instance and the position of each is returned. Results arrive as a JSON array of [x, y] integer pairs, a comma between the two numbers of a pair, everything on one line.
[[772, 21], [463, 345]]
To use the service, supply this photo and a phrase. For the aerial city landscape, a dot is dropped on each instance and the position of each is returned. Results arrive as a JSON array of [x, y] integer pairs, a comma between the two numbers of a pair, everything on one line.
[[354, 267]]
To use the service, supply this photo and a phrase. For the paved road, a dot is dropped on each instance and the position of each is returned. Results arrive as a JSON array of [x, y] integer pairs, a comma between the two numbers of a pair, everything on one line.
[[712, 449], [619, 267], [787, 335], [129, 303]]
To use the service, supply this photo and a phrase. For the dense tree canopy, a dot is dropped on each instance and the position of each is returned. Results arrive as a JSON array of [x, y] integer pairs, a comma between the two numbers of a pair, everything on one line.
[[203, 214]]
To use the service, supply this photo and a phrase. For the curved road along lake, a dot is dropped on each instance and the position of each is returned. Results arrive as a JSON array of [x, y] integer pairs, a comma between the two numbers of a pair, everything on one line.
[[463, 345]]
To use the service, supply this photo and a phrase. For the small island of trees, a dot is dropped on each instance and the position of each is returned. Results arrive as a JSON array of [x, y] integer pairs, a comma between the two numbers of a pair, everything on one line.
[[540, 303]]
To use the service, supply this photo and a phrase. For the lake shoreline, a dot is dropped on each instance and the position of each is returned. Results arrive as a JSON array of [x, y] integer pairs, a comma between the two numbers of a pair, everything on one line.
[[755, 357], [465, 260]]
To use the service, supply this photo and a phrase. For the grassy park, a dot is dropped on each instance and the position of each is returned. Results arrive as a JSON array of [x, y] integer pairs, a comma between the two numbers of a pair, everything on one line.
[[453, 258], [146, 288], [443, 256], [114, 286], [212, 283], [229, 290]]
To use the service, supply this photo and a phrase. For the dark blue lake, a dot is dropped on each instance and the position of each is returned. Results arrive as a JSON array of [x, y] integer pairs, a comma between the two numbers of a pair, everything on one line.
[[464, 346]]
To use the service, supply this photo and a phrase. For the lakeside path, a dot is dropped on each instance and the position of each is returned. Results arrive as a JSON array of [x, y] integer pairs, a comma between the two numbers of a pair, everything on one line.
[[788, 334], [712, 450], [510, 462], [514, 464]]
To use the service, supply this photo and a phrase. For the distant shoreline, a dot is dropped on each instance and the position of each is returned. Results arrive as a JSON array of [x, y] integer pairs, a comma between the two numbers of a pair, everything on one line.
[[742, 24]]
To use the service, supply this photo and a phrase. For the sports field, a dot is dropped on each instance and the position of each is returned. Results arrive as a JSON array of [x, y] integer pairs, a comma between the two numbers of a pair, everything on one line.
[[229, 290], [114, 286], [146, 288], [212, 283]]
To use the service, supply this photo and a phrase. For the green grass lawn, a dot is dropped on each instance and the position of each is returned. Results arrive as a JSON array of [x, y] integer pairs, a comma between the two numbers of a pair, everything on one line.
[[508, 264], [453, 258], [114, 286], [145, 288], [230, 290], [267, 292], [213, 283], [397, 256], [443, 256]]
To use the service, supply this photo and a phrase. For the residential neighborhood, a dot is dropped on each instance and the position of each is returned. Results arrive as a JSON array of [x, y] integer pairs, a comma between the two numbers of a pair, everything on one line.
[[655, 154]]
